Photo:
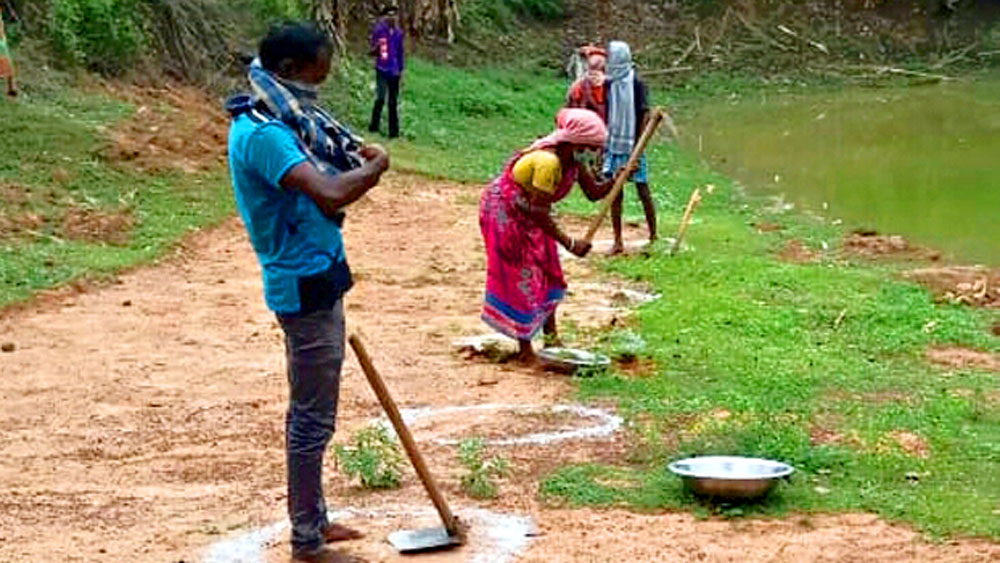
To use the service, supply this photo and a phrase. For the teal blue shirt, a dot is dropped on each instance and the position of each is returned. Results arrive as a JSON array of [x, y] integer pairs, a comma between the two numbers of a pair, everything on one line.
[[301, 251]]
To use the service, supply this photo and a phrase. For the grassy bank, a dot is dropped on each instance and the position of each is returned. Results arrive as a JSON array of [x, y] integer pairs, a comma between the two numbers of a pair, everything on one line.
[[818, 364], [68, 213]]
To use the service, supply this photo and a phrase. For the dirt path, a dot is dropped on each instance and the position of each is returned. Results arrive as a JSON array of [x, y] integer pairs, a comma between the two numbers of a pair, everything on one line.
[[144, 421]]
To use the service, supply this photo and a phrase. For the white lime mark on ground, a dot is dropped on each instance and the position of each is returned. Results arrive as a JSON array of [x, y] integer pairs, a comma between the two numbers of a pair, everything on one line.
[[606, 422], [245, 548], [493, 538]]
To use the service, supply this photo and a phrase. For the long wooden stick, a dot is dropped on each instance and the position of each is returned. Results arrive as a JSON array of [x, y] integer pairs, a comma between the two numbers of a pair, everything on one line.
[[451, 523], [686, 220], [655, 118]]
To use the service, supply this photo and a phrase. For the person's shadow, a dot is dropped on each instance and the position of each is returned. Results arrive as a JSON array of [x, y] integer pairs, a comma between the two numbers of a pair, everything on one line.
[[332, 556]]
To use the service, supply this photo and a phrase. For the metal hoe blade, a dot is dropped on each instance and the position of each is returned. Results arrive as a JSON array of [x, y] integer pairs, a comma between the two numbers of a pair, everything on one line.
[[427, 539]]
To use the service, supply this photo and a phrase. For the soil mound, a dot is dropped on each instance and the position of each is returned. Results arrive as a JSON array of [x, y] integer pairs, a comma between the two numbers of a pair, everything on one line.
[[91, 225], [957, 357], [972, 285], [797, 252], [174, 128], [870, 244]]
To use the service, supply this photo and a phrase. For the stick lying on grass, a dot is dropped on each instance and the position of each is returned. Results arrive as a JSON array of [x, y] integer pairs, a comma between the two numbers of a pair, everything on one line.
[[655, 118]]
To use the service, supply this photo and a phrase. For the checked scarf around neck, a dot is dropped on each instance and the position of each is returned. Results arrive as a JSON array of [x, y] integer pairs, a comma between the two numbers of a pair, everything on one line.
[[331, 146], [621, 111]]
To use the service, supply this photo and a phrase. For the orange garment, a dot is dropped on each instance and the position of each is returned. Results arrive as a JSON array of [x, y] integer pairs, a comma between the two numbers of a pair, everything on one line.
[[584, 94]]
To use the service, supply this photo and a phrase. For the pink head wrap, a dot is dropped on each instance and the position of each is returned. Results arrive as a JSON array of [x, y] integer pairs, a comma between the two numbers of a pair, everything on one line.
[[577, 126]]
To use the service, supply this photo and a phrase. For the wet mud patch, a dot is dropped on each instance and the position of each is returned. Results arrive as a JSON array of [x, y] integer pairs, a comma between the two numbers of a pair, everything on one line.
[[174, 128], [870, 244], [99, 226], [970, 285], [957, 357]]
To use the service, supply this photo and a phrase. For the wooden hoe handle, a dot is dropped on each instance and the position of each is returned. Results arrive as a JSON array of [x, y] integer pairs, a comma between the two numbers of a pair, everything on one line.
[[655, 118], [450, 522]]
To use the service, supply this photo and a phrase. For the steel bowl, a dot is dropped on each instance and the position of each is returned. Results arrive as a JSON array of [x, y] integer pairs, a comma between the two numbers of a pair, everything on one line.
[[569, 360], [730, 477]]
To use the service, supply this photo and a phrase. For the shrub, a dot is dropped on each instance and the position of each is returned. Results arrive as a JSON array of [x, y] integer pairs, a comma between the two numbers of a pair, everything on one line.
[[480, 481], [373, 457], [102, 35]]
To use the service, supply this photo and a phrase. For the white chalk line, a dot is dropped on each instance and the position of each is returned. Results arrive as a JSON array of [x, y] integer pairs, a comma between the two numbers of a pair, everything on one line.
[[608, 423], [245, 548], [503, 536]]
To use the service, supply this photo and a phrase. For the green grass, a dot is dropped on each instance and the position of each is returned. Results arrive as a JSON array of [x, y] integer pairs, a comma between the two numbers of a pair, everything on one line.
[[64, 130], [752, 358]]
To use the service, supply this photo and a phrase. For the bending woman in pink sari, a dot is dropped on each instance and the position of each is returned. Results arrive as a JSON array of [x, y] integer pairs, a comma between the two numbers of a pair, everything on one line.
[[524, 279]]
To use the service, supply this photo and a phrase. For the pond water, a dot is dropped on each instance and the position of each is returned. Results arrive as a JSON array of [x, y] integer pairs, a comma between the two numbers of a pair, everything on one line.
[[922, 161]]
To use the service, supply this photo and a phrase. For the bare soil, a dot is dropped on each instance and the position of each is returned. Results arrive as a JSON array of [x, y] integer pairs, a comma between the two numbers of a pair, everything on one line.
[[175, 127], [963, 358], [93, 225], [870, 244], [971, 285], [796, 252], [143, 420]]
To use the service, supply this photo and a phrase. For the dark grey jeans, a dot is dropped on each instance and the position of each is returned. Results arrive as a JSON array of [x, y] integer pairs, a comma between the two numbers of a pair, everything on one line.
[[314, 345]]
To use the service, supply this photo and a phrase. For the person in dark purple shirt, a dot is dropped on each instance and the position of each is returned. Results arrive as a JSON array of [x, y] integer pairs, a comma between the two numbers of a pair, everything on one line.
[[387, 48]]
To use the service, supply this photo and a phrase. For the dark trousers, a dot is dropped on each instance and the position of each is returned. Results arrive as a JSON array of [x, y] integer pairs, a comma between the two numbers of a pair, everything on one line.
[[386, 83], [314, 345]]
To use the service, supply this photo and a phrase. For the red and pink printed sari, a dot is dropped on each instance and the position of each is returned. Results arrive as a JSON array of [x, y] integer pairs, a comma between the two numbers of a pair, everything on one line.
[[524, 279]]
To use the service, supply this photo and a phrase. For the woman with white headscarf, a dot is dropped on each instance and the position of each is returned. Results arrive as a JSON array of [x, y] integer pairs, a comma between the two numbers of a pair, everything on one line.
[[628, 110]]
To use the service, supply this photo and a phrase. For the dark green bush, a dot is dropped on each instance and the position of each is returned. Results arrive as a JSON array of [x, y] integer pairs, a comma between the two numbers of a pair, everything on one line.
[[102, 35], [505, 13]]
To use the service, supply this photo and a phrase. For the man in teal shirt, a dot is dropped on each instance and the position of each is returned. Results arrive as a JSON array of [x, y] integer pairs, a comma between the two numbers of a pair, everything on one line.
[[294, 169]]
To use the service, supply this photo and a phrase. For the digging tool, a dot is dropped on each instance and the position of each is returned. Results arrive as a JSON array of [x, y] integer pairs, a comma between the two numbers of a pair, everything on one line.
[[428, 539], [655, 118], [686, 220]]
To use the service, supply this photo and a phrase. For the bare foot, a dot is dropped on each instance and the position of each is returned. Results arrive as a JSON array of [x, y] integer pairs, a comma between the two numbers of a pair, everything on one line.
[[339, 532], [527, 359], [616, 249]]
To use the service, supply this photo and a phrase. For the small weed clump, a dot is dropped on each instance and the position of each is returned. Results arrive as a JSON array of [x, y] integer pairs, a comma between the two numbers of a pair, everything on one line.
[[373, 457], [480, 481]]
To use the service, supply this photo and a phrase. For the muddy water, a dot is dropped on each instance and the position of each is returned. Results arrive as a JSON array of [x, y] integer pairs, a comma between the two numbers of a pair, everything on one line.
[[922, 161]]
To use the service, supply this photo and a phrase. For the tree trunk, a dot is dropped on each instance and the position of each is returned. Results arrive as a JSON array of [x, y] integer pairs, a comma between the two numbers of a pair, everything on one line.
[[329, 15]]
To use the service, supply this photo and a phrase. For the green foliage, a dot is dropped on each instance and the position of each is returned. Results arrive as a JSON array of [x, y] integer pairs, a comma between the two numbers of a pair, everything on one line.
[[102, 35], [276, 10], [480, 480], [374, 457], [505, 14], [112, 36]]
